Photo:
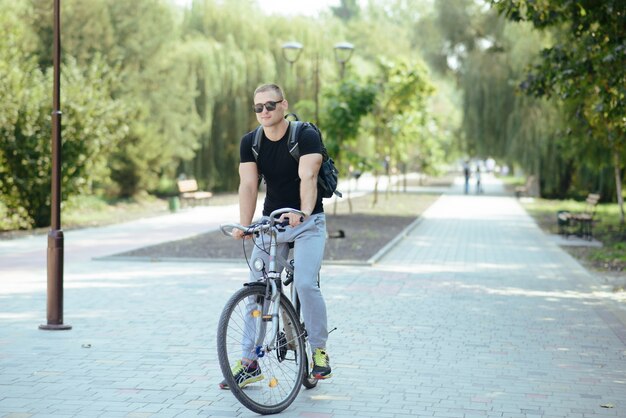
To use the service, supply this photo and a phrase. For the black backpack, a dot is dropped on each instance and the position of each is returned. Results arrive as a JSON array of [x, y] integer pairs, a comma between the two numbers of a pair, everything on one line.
[[328, 175]]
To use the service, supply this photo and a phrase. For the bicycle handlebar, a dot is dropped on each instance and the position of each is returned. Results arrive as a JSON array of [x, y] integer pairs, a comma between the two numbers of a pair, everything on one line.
[[264, 225]]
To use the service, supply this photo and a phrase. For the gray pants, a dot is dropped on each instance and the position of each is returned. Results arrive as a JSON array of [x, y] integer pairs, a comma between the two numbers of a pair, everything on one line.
[[309, 240]]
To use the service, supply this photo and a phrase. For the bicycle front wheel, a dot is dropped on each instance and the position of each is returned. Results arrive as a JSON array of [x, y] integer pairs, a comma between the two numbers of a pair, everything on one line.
[[308, 381], [243, 332]]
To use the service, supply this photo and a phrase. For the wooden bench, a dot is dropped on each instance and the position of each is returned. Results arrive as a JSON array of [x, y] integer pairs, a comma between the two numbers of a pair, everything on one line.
[[189, 193], [580, 224], [525, 189]]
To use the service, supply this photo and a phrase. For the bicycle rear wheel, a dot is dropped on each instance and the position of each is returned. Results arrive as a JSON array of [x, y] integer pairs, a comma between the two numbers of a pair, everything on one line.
[[281, 357]]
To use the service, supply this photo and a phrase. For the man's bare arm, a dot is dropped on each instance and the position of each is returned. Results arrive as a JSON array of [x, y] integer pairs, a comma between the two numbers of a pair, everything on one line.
[[308, 169], [248, 193]]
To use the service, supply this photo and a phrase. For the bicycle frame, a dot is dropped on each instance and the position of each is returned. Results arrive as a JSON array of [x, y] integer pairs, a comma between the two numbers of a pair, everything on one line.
[[271, 276]]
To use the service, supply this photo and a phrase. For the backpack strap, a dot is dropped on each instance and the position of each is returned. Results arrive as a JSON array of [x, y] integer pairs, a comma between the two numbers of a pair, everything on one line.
[[256, 142], [294, 130], [292, 141]]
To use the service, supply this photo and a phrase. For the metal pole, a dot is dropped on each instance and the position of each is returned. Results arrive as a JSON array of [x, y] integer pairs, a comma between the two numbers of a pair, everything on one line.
[[317, 88], [55, 236]]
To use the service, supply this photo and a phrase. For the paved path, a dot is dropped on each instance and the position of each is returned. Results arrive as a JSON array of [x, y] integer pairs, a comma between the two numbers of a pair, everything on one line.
[[473, 314]]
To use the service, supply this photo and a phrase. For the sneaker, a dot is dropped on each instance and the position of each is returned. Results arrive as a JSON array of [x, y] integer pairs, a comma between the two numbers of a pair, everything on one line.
[[321, 365], [244, 375]]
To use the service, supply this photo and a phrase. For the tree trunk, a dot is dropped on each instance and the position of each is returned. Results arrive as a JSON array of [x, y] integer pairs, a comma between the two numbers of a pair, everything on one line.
[[618, 184], [375, 200]]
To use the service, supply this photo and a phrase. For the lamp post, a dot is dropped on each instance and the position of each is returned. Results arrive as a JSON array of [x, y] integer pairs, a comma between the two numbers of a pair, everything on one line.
[[343, 53], [55, 236]]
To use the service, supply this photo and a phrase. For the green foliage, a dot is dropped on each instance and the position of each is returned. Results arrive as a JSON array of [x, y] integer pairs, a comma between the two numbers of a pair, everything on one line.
[[400, 109], [345, 106], [92, 124], [587, 61]]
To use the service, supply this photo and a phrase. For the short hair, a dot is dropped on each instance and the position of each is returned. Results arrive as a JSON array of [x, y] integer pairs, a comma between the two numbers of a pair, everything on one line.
[[270, 87]]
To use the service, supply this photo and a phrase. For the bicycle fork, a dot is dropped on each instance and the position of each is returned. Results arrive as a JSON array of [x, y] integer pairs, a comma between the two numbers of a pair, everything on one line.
[[271, 299]]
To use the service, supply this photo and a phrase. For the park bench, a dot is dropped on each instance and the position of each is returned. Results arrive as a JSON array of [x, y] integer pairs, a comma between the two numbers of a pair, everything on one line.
[[525, 189], [580, 224], [189, 193]]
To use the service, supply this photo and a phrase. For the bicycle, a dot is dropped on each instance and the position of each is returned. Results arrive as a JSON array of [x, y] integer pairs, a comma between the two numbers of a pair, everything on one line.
[[282, 351]]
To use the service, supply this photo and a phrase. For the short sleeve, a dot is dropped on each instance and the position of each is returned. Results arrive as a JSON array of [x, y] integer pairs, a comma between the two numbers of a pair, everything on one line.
[[245, 149], [309, 141]]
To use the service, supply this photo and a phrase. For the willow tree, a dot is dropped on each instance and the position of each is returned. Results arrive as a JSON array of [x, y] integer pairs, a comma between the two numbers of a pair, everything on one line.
[[500, 122], [489, 99], [224, 71]]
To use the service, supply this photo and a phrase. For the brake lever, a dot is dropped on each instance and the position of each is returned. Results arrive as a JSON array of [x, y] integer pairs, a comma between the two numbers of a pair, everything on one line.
[[281, 226]]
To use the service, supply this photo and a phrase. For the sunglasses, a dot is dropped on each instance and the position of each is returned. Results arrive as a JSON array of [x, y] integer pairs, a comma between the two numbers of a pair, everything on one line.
[[271, 105]]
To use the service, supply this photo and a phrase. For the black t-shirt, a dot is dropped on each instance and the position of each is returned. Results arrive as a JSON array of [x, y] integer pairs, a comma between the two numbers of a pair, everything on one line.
[[280, 169]]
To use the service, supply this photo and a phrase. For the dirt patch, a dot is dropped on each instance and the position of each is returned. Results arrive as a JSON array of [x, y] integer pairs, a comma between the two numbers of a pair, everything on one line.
[[363, 232]]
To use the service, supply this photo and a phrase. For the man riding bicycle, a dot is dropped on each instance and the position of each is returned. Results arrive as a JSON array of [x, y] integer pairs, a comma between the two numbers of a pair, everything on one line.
[[293, 184]]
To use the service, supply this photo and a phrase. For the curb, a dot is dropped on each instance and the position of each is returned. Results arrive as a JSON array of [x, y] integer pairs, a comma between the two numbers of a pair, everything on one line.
[[403, 234], [213, 260]]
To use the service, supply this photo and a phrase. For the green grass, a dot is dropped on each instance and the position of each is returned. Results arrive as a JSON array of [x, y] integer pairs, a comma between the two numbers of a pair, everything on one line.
[[607, 229], [87, 211], [83, 211], [512, 181]]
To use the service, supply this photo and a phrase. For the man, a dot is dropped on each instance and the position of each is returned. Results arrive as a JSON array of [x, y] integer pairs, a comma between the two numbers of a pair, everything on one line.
[[292, 184], [466, 174]]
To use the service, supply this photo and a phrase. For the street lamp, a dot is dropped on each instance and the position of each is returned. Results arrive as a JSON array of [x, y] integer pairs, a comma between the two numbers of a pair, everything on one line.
[[292, 51], [343, 53]]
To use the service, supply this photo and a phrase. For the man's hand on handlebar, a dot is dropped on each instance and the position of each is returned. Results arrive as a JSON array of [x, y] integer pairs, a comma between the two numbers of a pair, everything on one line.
[[282, 217], [295, 219], [239, 234]]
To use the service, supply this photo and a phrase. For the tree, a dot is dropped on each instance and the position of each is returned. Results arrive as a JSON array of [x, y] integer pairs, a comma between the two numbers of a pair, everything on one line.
[[345, 106], [348, 9], [402, 92], [585, 65]]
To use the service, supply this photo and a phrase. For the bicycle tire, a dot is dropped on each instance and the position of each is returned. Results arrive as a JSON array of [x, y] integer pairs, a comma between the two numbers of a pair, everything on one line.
[[283, 369]]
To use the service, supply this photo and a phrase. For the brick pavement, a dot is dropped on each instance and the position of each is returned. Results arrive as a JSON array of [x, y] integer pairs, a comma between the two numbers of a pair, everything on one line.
[[473, 314]]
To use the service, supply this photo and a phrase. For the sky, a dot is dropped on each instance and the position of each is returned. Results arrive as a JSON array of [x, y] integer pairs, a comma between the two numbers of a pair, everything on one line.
[[294, 7], [289, 7]]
